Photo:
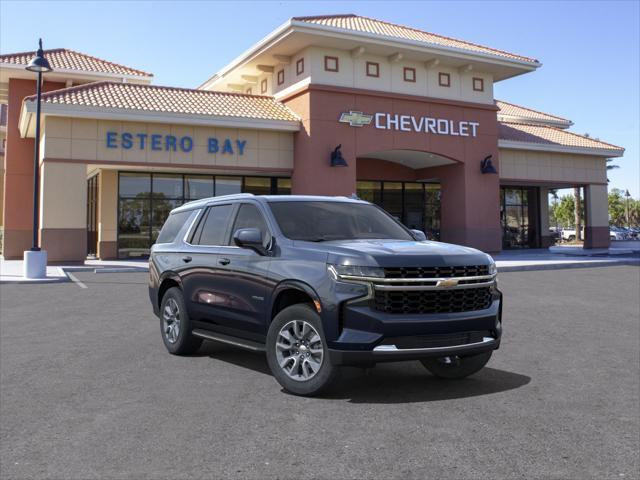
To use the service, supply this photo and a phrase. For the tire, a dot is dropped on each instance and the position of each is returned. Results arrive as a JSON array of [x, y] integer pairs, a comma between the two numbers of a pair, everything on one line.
[[295, 333], [571, 238], [460, 367], [173, 316]]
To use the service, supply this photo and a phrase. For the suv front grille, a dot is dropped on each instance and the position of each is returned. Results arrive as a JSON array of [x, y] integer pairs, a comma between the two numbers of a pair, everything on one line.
[[436, 272], [432, 301]]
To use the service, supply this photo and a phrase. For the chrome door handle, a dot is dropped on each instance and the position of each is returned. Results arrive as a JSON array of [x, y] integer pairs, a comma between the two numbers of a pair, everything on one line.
[[186, 259], [224, 261]]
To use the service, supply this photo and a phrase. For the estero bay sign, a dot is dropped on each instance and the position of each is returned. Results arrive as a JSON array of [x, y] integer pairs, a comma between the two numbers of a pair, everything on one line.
[[411, 123], [172, 143]]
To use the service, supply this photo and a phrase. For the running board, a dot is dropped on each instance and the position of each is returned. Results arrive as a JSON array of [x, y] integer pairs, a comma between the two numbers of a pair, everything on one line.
[[229, 340]]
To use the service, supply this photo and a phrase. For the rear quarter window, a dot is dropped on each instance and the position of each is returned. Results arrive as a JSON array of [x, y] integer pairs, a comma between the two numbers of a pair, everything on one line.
[[172, 226]]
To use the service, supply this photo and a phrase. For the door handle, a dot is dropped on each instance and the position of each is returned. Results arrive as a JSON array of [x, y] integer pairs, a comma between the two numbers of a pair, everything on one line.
[[186, 259], [224, 261]]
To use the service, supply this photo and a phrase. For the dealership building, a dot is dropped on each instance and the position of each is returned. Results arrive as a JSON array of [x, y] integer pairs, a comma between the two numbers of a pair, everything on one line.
[[328, 105]]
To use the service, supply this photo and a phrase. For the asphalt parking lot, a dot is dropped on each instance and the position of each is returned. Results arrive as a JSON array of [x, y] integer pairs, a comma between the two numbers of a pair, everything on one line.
[[88, 391]]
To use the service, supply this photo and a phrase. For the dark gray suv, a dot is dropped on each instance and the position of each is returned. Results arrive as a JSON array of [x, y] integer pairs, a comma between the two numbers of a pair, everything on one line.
[[319, 282]]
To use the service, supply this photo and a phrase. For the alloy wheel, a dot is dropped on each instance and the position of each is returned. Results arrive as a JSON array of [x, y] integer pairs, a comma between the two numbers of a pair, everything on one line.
[[299, 350], [171, 321]]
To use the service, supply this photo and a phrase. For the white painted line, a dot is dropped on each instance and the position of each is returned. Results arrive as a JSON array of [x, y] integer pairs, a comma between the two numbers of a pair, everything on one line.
[[75, 280]]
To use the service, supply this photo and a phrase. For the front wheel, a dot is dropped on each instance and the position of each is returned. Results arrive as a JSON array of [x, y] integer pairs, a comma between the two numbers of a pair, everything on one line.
[[297, 351], [456, 367]]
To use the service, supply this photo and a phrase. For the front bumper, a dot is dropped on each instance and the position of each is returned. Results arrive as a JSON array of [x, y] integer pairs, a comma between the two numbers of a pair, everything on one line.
[[370, 336]]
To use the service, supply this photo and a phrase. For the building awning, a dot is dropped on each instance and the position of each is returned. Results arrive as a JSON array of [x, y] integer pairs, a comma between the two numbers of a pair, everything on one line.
[[546, 138], [149, 103]]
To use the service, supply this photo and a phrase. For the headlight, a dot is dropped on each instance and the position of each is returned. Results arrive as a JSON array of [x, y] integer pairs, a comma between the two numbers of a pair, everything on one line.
[[492, 267], [355, 271]]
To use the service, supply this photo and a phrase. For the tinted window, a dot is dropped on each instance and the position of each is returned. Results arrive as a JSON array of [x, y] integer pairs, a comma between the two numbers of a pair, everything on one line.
[[172, 226], [319, 221], [250, 217], [214, 226]]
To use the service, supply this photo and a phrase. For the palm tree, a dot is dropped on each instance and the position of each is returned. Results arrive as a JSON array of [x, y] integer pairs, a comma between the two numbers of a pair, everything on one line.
[[611, 167]]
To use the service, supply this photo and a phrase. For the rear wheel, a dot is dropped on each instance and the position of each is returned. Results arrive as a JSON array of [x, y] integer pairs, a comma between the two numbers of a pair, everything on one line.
[[297, 351], [175, 324], [456, 367]]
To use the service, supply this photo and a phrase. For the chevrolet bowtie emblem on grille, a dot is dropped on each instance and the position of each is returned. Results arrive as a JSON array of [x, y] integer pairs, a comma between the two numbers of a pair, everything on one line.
[[447, 283], [355, 119]]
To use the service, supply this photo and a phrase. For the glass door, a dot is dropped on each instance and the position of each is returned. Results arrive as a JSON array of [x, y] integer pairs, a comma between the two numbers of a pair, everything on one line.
[[92, 216]]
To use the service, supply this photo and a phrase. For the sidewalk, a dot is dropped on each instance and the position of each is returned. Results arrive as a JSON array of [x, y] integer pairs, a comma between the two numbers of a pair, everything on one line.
[[11, 270], [507, 261]]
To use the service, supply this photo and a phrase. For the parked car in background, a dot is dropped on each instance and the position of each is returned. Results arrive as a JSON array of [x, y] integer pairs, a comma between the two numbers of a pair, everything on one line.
[[569, 234], [617, 233]]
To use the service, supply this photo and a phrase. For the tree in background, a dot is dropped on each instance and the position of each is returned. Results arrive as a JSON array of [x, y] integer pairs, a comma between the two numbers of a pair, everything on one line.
[[617, 213]]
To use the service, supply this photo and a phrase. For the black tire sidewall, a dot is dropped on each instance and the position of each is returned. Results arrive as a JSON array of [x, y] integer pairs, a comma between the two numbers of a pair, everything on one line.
[[185, 343], [327, 371]]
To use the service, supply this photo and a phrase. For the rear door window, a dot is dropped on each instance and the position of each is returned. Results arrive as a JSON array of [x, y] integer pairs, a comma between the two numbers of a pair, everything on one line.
[[172, 226], [213, 227]]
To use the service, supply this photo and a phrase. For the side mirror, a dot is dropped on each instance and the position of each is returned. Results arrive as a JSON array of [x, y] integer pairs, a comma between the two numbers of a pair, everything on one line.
[[418, 235], [250, 238]]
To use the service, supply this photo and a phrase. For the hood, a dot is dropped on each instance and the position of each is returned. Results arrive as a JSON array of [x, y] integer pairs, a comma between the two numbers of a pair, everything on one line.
[[401, 253]]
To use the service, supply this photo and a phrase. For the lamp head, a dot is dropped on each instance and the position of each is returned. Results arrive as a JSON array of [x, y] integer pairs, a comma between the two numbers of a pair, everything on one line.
[[39, 63], [337, 160]]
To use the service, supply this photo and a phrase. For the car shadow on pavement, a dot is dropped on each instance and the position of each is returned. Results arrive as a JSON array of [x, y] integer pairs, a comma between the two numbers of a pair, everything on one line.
[[410, 382], [399, 382]]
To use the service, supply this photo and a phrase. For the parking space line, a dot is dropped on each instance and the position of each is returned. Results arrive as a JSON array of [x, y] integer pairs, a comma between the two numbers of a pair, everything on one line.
[[75, 280]]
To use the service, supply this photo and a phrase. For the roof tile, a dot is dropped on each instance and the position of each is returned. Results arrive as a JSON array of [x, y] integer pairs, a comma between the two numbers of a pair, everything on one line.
[[153, 98], [65, 59], [513, 110], [370, 25], [546, 135]]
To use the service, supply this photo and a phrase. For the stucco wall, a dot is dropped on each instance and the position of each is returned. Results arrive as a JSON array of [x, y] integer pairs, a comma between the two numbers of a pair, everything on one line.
[[551, 167], [352, 73], [83, 139]]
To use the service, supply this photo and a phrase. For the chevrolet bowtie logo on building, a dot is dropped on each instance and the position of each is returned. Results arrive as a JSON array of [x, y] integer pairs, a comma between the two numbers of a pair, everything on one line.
[[447, 283], [356, 119]]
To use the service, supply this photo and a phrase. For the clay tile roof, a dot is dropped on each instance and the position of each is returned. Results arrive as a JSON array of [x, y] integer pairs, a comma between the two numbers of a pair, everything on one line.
[[370, 25], [546, 135], [151, 98], [65, 59], [513, 110]]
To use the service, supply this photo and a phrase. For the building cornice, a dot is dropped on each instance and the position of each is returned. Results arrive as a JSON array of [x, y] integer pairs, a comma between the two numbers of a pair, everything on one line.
[[127, 115], [543, 147]]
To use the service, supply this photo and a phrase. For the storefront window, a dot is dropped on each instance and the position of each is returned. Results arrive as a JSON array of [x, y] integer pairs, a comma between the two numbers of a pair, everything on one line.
[[145, 201], [257, 185], [370, 191], [519, 218], [283, 186], [228, 185], [415, 204], [167, 186], [198, 186]]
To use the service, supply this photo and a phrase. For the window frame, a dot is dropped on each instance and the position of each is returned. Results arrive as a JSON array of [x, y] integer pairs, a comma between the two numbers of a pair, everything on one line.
[[372, 64], [280, 76], [441, 77], [480, 82], [327, 59], [300, 66], [263, 86], [407, 70]]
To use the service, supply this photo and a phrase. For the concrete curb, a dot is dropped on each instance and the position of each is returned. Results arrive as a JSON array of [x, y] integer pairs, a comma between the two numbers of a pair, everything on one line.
[[567, 266]]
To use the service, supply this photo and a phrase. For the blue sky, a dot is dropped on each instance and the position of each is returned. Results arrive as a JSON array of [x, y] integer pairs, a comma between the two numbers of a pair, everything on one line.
[[590, 50]]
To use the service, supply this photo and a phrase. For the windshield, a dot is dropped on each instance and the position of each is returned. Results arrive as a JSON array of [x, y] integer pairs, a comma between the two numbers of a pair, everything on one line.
[[318, 221]]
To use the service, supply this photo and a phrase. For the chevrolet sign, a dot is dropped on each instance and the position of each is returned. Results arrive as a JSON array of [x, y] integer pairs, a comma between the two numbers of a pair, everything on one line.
[[355, 119]]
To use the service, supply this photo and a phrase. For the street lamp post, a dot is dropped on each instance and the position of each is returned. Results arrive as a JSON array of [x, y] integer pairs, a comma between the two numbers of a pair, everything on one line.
[[627, 195], [35, 260]]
